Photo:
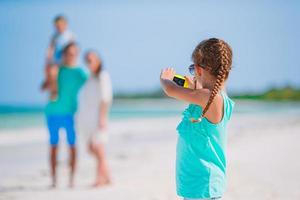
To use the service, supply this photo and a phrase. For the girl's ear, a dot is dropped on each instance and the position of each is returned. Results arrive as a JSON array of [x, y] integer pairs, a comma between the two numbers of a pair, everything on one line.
[[198, 70]]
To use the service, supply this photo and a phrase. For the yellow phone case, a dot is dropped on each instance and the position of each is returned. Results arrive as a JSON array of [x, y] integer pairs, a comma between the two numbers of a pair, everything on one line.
[[185, 85]]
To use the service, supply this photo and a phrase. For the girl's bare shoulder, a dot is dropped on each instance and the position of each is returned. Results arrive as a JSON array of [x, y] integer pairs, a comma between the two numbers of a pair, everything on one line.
[[204, 94]]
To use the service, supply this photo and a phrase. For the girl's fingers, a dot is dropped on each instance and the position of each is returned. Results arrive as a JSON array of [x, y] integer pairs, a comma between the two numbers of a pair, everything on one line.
[[171, 70], [189, 79], [167, 73]]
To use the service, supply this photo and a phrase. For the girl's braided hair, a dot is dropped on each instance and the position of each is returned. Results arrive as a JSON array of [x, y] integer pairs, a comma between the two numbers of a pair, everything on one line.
[[215, 56]]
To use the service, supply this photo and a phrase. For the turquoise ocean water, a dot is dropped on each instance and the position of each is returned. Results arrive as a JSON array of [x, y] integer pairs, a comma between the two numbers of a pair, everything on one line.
[[16, 117]]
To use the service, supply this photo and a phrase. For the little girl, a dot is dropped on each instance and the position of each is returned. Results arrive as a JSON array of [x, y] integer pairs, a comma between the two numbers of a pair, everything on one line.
[[200, 159]]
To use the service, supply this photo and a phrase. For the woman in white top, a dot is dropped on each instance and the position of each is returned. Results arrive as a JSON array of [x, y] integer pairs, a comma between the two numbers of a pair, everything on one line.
[[96, 98]]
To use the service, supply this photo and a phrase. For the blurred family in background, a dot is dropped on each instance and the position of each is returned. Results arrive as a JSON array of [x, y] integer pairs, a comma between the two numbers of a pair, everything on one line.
[[79, 101]]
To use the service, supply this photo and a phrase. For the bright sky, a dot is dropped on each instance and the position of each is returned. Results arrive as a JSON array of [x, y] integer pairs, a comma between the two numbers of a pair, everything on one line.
[[138, 38]]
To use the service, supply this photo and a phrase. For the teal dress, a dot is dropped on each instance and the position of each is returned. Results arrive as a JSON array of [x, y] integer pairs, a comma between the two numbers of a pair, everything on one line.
[[200, 158]]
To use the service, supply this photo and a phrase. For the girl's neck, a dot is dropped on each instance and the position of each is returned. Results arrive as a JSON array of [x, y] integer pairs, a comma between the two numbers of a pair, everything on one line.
[[209, 84]]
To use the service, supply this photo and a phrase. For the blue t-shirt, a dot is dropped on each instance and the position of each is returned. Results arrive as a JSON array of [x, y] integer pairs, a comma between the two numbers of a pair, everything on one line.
[[69, 82]]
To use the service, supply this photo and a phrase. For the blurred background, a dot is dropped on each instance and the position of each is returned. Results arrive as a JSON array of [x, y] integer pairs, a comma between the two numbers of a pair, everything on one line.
[[136, 39]]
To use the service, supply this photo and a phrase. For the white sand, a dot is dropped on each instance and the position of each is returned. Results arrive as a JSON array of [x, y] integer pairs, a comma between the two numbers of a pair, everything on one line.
[[263, 161]]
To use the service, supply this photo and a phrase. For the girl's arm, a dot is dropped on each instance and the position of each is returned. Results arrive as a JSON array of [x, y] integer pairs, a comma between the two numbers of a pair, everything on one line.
[[198, 96]]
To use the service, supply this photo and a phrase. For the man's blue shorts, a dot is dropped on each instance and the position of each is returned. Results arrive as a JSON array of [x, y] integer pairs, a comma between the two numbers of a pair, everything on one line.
[[56, 122]]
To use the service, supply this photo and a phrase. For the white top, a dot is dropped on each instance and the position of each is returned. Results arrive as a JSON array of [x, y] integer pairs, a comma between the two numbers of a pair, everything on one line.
[[60, 40], [96, 90]]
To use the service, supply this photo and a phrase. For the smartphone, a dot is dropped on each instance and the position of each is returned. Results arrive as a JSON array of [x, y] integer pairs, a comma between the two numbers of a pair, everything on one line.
[[180, 80]]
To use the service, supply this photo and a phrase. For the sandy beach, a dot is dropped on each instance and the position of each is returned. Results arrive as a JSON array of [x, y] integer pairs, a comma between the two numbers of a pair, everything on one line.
[[116, 64], [262, 161]]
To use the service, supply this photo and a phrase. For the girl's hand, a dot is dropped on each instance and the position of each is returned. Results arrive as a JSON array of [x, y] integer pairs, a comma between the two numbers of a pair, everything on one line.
[[191, 82], [167, 74]]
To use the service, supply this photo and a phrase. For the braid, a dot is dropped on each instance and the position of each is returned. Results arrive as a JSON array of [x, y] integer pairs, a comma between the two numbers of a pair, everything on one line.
[[215, 56]]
